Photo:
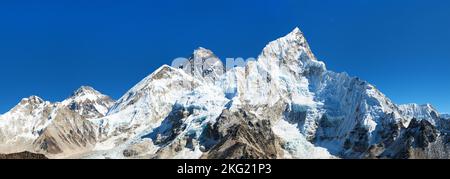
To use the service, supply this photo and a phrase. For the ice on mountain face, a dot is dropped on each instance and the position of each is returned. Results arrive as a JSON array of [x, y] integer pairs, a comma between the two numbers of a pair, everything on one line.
[[164, 80], [21, 125], [288, 71], [204, 65], [186, 124], [155, 107], [349, 103], [281, 74], [296, 145], [445, 116], [277, 75], [426, 111], [25, 123], [144, 107], [88, 102], [290, 54], [232, 83]]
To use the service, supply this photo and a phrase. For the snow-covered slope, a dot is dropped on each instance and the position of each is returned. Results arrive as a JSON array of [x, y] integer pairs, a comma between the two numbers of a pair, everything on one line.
[[445, 116], [204, 65], [149, 109], [316, 113], [426, 112], [29, 120], [22, 125], [88, 102]]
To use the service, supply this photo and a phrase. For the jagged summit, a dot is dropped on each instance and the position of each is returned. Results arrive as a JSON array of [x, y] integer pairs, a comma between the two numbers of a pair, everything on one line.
[[162, 81], [85, 90], [202, 53], [204, 65], [296, 34], [296, 30], [33, 99], [37, 125], [291, 51], [299, 38], [163, 70], [424, 111], [88, 102], [415, 108]]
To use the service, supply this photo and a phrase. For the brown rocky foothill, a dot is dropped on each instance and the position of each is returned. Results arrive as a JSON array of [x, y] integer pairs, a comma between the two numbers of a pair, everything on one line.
[[23, 155]]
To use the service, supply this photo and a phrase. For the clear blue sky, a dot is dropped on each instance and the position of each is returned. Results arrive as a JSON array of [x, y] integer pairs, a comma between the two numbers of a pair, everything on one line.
[[50, 48]]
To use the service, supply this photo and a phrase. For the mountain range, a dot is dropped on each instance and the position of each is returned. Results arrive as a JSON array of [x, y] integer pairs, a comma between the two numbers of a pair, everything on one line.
[[286, 104]]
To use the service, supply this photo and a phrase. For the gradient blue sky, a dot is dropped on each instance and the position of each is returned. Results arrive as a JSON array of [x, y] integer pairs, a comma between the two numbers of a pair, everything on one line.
[[50, 48]]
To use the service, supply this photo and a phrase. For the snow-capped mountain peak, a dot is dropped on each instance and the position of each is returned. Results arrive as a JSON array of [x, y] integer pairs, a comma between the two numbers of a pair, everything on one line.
[[157, 83], [202, 53], [88, 102], [30, 105], [85, 90], [204, 65], [425, 111], [296, 35], [33, 100], [297, 41], [34, 120], [291, 54], [20, 126]]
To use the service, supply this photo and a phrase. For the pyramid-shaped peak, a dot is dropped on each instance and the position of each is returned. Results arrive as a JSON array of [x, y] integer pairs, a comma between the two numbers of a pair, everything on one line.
[[296, 33], [85, 90], [164, 71], [203, 53], [33, 100], [202, 50], [295, 41]]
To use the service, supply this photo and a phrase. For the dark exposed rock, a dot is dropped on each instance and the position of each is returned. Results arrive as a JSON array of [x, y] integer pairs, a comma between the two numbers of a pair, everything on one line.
[[421, 140], [23, 155], [130, 153], [358, 140], [243, 136], [326, 129], [422, 133]]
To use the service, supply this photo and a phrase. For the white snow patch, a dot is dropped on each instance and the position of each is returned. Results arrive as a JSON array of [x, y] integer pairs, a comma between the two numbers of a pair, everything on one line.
[[296, 144]]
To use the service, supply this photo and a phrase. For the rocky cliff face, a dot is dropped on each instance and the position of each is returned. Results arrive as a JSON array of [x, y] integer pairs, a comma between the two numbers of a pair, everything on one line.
[[69, 133], [241, 135]]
